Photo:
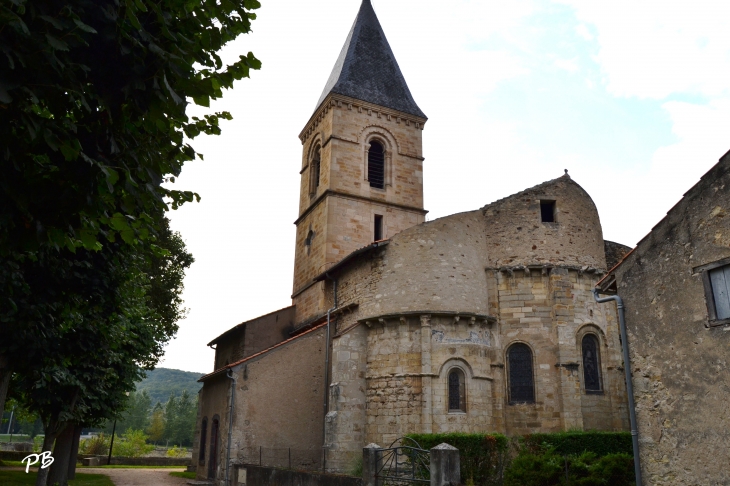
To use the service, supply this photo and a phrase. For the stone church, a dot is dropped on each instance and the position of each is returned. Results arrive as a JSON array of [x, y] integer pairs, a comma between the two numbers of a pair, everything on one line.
[[481, 321]]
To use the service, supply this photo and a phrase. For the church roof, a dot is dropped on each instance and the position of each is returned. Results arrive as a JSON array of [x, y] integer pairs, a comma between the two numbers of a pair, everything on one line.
[[367, 70]]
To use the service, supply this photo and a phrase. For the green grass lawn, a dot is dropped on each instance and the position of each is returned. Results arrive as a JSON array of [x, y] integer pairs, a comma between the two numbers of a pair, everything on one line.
[[183, 474], [16, 438], [35, 466], [20, 478]]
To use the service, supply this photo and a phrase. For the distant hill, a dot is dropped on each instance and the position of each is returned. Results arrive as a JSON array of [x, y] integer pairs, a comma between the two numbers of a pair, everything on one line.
[[162, 382]]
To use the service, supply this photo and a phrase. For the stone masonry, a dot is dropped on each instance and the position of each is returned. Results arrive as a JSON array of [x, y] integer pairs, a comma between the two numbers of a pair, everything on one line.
[[679, 354]]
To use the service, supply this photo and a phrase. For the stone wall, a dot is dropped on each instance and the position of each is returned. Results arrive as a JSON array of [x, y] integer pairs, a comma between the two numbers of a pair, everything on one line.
[[551, 312], [213, 403], [517, 236], [278, 404], [342, 211], [280, 398], [678, 360], [270, 476], [431, 300], [253, 336]]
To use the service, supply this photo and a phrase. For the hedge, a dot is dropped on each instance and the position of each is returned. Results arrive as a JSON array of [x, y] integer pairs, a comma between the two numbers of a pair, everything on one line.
[[586, 469], [576, 443], [482, 456]]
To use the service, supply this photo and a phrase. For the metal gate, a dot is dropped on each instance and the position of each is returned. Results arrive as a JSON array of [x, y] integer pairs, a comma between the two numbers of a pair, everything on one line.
[[403, 465]]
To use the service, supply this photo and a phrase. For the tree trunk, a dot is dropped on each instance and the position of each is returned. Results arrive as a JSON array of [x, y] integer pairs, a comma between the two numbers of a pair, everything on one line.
[[61, 455], [74, 452], [5, 375], [51, 431]]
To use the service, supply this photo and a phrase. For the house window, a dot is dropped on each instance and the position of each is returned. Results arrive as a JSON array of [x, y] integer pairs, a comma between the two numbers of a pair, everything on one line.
[[591, 364], [716, 277], [457, 391], [203, 438], [314, 172], [521, 381], [547, 211], [376, 165], [378, 230]]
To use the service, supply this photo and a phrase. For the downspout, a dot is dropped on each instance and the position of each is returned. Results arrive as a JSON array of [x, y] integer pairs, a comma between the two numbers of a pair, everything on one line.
[[629, 383], [231, 377], [326, 372]]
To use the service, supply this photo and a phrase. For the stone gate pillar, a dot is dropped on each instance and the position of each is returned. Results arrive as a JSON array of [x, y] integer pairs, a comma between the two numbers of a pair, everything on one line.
[[370, 464], [445, 465]]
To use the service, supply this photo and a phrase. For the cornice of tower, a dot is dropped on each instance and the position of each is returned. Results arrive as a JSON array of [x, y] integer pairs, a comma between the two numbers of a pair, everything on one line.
[[337, 101]]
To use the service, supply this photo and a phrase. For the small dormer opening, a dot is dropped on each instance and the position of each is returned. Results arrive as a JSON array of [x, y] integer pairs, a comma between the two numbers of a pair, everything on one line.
[[378, 230], [547, 211], [376, 165]]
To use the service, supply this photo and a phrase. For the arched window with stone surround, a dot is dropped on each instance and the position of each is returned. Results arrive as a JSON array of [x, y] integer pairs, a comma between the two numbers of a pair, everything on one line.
[[521, 378], [591, 364], [315, 170], [376, 165], [457, 391], [203, 439]]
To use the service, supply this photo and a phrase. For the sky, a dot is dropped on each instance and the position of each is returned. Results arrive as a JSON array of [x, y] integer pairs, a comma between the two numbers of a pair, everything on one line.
[[631, 97]]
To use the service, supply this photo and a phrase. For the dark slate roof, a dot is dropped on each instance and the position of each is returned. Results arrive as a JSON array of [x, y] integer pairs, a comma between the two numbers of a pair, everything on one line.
[[367, 70]]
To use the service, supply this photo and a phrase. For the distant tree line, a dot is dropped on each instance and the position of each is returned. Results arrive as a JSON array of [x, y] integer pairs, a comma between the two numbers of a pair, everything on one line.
[[170, 423]]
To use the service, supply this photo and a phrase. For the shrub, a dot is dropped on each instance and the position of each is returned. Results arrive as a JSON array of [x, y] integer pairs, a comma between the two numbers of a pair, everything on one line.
[[587, 469], [97, 445], [535, 470], [132, 444], [576, 443], [176, 451], [356, 466], [483, 456]]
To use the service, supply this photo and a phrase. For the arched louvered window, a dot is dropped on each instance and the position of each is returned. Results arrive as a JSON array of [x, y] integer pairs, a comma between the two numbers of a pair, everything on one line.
[[203, 439], [591, 363], [521, 380], [457, 391], [376, 165], [314, 172]]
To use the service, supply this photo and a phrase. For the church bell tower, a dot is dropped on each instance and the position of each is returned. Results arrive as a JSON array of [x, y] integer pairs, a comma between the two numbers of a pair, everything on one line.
[[362, 161]]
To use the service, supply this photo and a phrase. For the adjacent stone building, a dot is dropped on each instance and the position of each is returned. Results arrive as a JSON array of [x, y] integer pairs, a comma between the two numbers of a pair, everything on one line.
[[482, 321], [675, 286]]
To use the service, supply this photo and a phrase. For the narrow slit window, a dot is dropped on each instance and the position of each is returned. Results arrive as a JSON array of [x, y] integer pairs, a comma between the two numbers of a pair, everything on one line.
[[521, 379], [378, 230], [591, 364], [547, 211], [457, 391], [376, 165], [315, 165]]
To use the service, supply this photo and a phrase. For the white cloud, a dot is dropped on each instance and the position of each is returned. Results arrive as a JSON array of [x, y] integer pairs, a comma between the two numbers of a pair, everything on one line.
[[654, 48], [582, 30], [570, 65]]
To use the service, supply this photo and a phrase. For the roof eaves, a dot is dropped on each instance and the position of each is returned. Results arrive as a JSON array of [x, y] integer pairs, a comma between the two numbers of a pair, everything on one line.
[[256, 355], [244, 323], [337, 266]]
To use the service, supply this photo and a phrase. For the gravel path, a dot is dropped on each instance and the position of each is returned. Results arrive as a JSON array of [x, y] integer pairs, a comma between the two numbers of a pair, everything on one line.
[[138, 477]]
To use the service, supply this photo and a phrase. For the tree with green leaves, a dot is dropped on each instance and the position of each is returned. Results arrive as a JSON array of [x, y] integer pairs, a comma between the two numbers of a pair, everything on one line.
[[180, 415], [93, 97], [156, 430], [137, 415]]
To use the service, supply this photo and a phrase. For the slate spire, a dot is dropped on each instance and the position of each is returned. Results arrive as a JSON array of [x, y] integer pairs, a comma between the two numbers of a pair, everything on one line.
[[366, 68]]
